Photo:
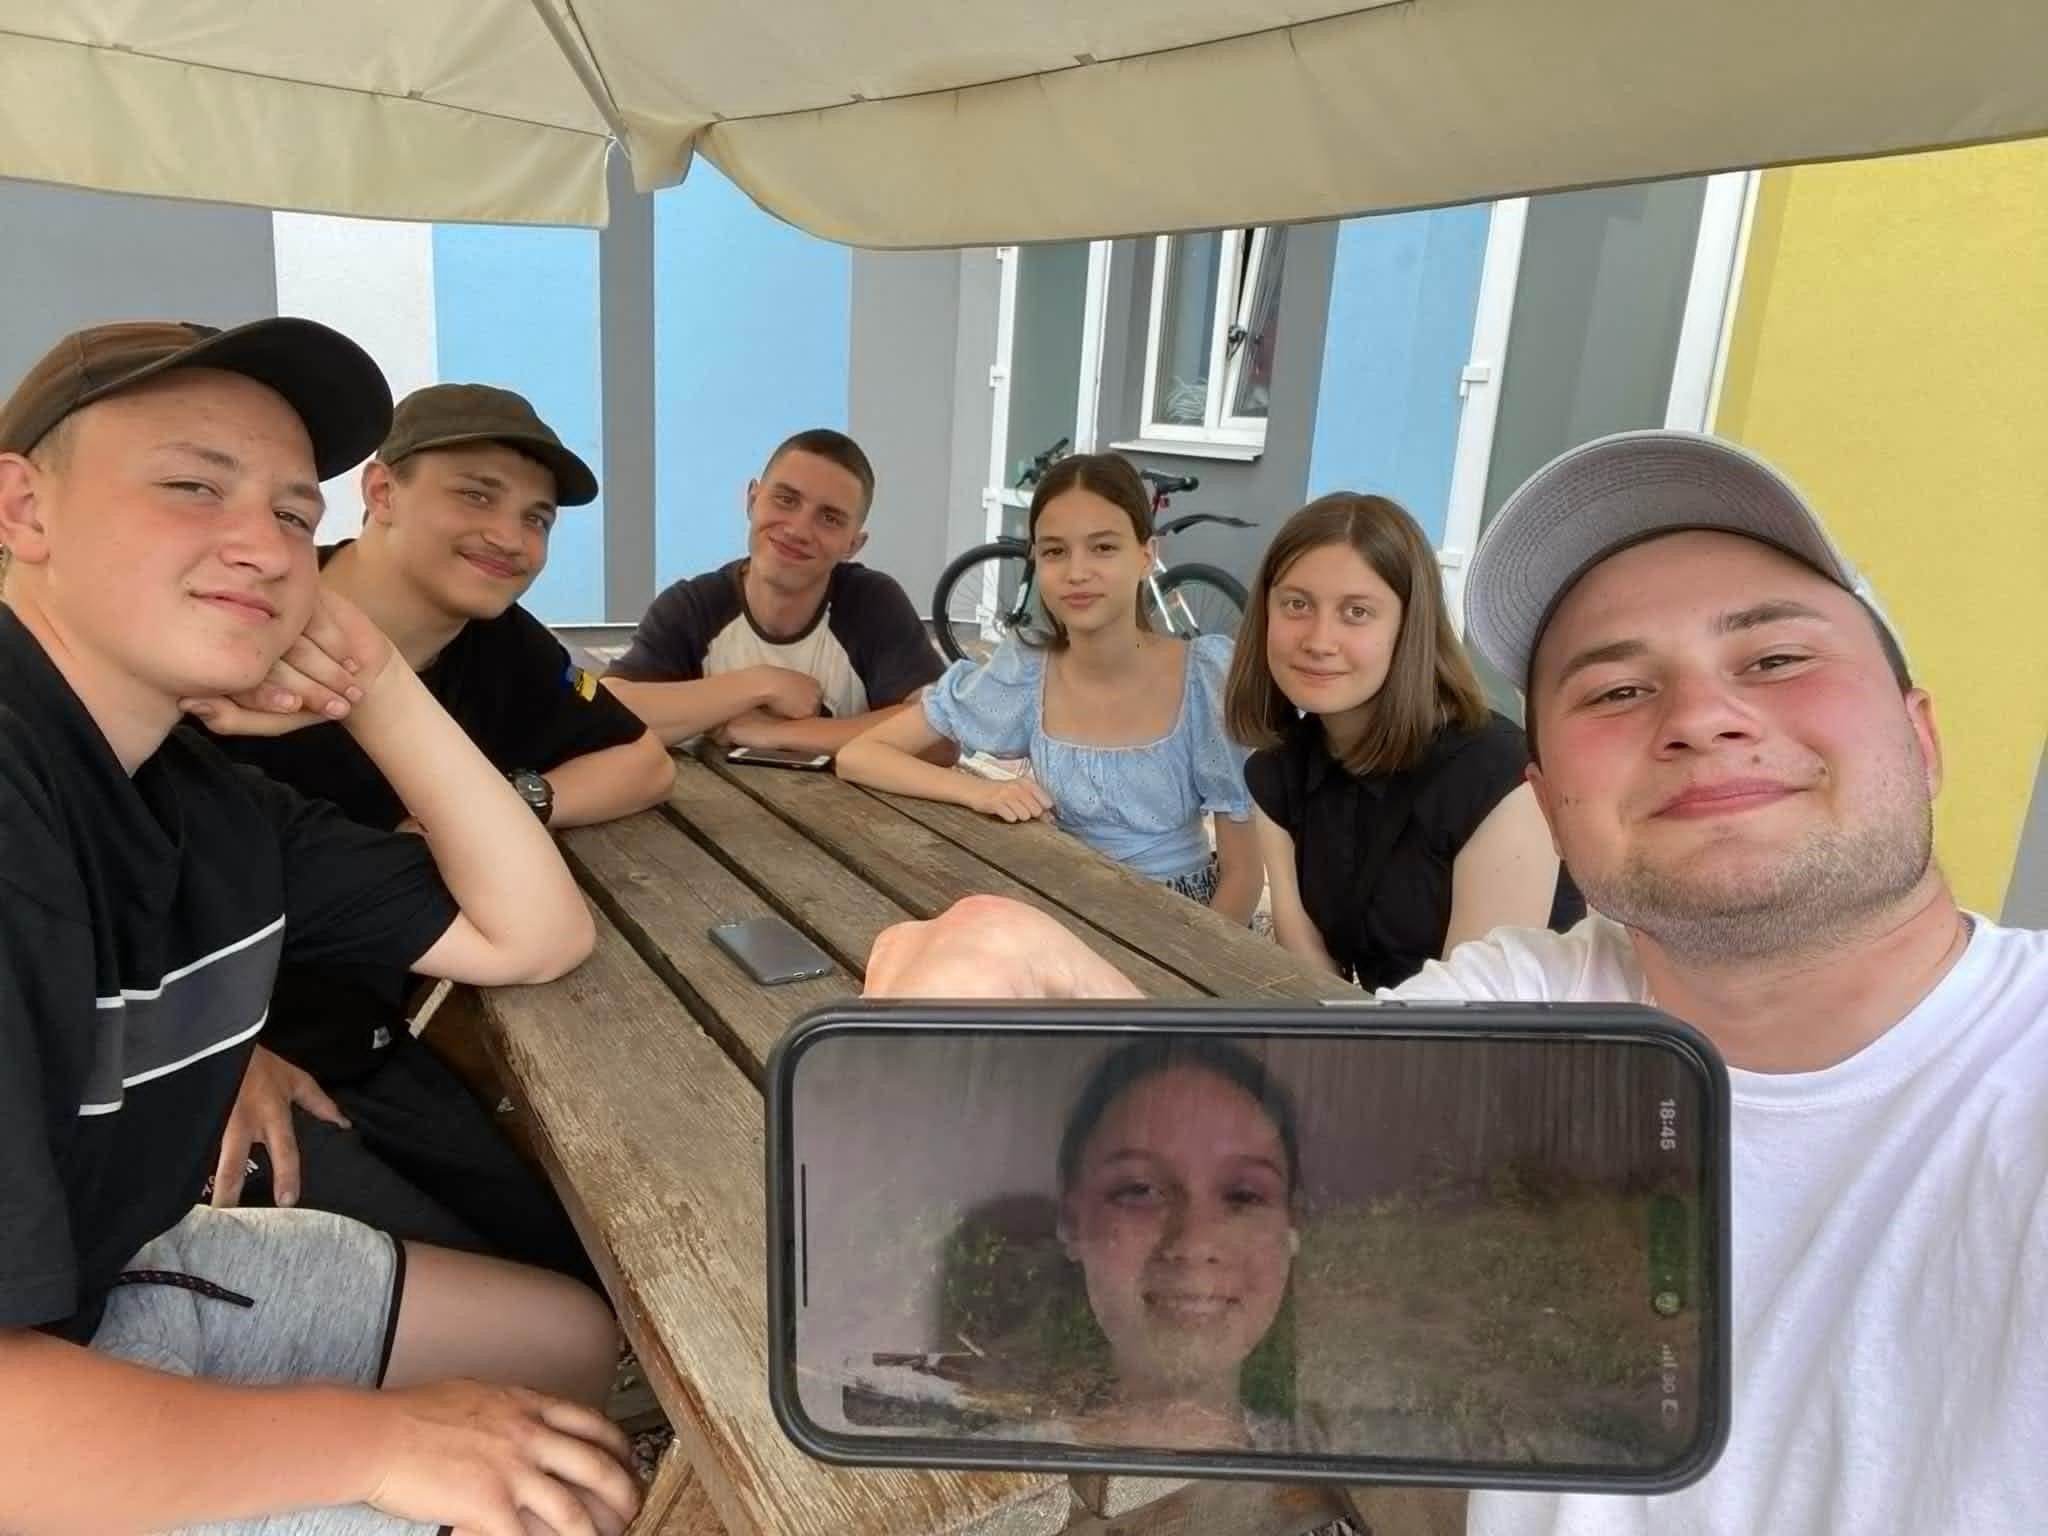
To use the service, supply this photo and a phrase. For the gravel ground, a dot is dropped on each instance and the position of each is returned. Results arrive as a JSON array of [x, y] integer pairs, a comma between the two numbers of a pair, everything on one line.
[[647, 1448]]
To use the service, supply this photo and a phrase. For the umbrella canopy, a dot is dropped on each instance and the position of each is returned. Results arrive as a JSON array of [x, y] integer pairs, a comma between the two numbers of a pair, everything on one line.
[[907, 123]]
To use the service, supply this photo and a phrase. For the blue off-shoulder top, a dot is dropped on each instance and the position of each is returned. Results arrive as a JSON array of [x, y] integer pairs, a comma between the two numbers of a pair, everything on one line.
[[1141, 805]]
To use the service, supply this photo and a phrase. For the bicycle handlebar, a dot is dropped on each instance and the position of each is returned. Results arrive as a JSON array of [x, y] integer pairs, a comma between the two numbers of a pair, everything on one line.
[[1040, 463], [1168, 485], [1194, 519]]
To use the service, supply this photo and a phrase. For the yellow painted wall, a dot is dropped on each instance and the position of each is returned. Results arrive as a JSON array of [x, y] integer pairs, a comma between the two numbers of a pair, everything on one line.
[[1890, 353]]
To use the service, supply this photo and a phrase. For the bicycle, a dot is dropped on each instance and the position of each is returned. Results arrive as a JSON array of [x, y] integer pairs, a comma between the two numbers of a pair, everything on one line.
[[1188, 599]]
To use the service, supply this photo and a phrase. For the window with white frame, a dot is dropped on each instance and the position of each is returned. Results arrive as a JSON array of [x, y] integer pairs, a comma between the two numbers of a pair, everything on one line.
[[1209, 347]]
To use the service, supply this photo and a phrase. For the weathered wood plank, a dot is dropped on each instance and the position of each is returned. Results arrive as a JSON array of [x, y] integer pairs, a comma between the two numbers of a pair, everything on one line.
[[666, 893], [1113, 1496], [676, 1503], [1407, 1511], [1215, 1508], [653, 1136], [841, 907], [916, 867], [1210, 951]]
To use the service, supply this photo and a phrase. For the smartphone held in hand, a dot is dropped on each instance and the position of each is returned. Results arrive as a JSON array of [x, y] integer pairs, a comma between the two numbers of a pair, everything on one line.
[[1479, 1246]]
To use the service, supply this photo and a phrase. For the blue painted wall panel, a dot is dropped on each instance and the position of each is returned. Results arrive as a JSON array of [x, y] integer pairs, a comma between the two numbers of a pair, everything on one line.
[[751, 344], [517, 307], [1400, 329]]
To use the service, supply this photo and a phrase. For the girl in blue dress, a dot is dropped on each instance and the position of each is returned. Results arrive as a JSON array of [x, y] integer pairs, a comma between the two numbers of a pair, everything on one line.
[[1123, 726]]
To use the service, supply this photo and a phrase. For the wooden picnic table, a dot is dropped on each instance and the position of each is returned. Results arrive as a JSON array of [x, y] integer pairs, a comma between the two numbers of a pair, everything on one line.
[[638, 1078]]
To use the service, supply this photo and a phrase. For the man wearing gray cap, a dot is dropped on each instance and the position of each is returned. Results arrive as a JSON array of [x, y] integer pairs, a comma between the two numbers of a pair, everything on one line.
[[163, 1366], [1739, 774]]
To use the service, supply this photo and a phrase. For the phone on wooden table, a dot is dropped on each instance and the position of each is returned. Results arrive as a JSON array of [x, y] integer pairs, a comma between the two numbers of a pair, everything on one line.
[[1478, 1245], [771, 951], [771, 757]]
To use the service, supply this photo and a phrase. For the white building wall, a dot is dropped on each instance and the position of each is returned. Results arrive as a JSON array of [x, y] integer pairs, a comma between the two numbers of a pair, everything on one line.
[[374, 281]]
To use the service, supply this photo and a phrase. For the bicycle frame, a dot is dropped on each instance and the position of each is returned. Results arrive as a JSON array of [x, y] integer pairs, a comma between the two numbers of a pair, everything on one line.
[[1164, 603], [1170, 586]]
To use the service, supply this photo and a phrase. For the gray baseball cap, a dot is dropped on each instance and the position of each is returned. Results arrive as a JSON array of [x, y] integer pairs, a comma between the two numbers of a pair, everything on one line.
[[1599, 498]]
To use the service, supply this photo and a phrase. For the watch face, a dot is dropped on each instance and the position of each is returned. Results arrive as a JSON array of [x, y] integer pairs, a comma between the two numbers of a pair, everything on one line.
[[533, 789]]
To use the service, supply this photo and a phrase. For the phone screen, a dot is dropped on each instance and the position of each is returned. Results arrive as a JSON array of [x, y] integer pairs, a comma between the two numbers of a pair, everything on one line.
[[1482, 1255]]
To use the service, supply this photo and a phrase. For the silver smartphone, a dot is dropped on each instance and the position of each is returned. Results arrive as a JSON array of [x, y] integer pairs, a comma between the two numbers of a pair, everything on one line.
[[771, 951], [770, 757], [1483, 1246]]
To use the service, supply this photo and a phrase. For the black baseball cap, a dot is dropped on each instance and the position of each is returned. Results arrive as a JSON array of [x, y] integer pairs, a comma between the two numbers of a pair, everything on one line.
[[336, 388]]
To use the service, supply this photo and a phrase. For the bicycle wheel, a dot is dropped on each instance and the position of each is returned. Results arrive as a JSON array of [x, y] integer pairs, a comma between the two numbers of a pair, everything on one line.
[[1201, 600], [982, 593]]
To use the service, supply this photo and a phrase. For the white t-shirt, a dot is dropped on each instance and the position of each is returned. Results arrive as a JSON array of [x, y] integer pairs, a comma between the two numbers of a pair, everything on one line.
[[1890, 1262]]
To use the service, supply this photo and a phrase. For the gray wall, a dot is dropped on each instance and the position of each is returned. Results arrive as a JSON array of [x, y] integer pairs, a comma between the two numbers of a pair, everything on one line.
[[1045, 347], [1274, 485], [2026, 897], [626, 394], [72, 258], [923, 338], [1598, 307]]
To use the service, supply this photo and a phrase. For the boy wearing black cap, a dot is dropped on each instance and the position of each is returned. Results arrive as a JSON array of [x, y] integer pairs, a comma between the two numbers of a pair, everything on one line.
[[159, 490], [459, 502]]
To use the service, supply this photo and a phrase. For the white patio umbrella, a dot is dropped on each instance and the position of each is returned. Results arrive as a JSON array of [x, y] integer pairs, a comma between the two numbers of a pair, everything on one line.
[[902, 123]]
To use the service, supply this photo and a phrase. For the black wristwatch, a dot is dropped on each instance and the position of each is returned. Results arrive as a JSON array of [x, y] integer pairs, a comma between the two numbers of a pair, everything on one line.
[[535, 790]]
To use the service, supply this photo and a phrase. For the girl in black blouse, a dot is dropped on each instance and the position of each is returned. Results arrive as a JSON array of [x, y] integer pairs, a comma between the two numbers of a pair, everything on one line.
[[1390, 801]]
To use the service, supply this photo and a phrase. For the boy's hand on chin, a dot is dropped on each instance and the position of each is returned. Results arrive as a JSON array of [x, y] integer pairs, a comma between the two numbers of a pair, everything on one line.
[[322, 675]]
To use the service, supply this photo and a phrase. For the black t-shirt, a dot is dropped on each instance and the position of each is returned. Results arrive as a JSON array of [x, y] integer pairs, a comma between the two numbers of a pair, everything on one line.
[[144, 919], [1330, 815], [866, 646], [510, 684]]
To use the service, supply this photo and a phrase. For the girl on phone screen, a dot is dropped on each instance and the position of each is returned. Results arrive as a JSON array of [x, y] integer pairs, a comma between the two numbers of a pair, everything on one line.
[[1179, 1193], [1123, 726], [1392, 811]]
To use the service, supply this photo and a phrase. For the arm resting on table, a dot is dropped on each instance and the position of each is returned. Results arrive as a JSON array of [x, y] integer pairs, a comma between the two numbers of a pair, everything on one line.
[[522, 918], [760, 729], [677, 711], [893, 756], [613, 782]]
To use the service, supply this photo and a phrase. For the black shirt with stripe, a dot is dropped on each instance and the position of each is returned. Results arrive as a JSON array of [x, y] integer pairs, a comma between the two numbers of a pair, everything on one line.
[[145, 918], [512, 687]]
